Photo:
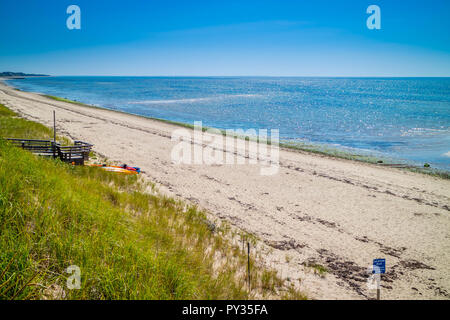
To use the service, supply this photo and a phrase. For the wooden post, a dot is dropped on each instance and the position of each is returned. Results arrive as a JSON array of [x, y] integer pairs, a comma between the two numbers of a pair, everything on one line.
[[248, 264], [379, 288]]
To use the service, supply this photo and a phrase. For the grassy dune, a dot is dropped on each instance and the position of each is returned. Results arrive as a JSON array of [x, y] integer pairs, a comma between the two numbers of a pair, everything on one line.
[[129, 242]]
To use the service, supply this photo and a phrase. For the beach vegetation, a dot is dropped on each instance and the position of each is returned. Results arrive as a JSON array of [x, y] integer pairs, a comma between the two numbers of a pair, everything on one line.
[[318, 269], [128, 241]]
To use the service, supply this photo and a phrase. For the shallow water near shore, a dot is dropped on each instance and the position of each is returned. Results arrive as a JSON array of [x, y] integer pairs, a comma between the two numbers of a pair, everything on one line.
[[407, 119]]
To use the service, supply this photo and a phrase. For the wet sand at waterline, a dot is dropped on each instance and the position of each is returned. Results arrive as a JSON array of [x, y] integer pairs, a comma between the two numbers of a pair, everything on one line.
[[337, 213]]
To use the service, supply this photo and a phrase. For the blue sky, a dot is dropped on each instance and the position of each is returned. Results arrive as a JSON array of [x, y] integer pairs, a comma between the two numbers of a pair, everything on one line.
[[224, 38]]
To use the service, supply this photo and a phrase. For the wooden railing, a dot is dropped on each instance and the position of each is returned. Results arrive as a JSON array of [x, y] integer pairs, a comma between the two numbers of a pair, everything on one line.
[[78, 153]]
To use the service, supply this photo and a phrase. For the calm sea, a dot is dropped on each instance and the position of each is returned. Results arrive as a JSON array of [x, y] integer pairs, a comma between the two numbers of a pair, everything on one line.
[[407, 119]]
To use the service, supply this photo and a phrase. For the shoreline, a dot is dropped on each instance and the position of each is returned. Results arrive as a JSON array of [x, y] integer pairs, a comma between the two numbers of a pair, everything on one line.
[[318, 149], [318, 210]]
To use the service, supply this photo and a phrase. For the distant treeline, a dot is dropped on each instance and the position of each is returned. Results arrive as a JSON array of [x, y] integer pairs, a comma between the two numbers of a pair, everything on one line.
[[21, 74]]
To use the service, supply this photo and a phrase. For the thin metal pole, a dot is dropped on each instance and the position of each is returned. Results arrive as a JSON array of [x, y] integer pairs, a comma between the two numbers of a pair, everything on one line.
[[54, 134], [54, 127]]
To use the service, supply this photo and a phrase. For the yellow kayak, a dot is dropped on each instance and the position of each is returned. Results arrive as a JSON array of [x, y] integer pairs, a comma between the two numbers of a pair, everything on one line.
[[114, 169], [121, 170]]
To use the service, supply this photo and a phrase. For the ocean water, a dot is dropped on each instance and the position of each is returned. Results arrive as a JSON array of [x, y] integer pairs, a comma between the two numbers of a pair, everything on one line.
[[404, 119]]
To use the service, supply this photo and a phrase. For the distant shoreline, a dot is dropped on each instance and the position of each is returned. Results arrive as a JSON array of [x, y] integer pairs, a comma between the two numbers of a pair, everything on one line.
[[20, 75]]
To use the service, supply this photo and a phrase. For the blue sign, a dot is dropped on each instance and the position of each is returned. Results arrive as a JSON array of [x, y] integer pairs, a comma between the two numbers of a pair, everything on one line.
[[379, 266]]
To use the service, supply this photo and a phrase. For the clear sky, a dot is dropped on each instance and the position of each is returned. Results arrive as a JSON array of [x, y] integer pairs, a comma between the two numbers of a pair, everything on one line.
[[223, 38]]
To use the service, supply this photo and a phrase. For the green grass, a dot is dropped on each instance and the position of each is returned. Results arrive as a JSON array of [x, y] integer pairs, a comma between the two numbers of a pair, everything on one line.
[[12, 126], [5, 112], [128, 243], [431, 172], [318, 269], [65, 100]]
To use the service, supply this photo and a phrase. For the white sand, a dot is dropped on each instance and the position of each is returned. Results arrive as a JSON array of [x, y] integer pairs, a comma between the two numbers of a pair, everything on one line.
[[337, 213]]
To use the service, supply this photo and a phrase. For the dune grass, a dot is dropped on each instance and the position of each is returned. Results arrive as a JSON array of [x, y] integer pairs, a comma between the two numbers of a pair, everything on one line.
[[12, 126], [5, 112], [128, 241]]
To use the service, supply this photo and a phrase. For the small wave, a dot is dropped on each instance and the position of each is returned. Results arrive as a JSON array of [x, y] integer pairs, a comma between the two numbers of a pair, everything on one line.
[[191, 100], [169, 101], [424, 132], [447, 154]]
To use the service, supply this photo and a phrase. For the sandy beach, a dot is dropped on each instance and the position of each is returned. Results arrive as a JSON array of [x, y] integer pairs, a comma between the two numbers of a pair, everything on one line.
[[316, 210]]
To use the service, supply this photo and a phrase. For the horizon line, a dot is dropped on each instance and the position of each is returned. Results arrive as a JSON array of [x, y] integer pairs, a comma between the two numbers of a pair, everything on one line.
[[241, 76]]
